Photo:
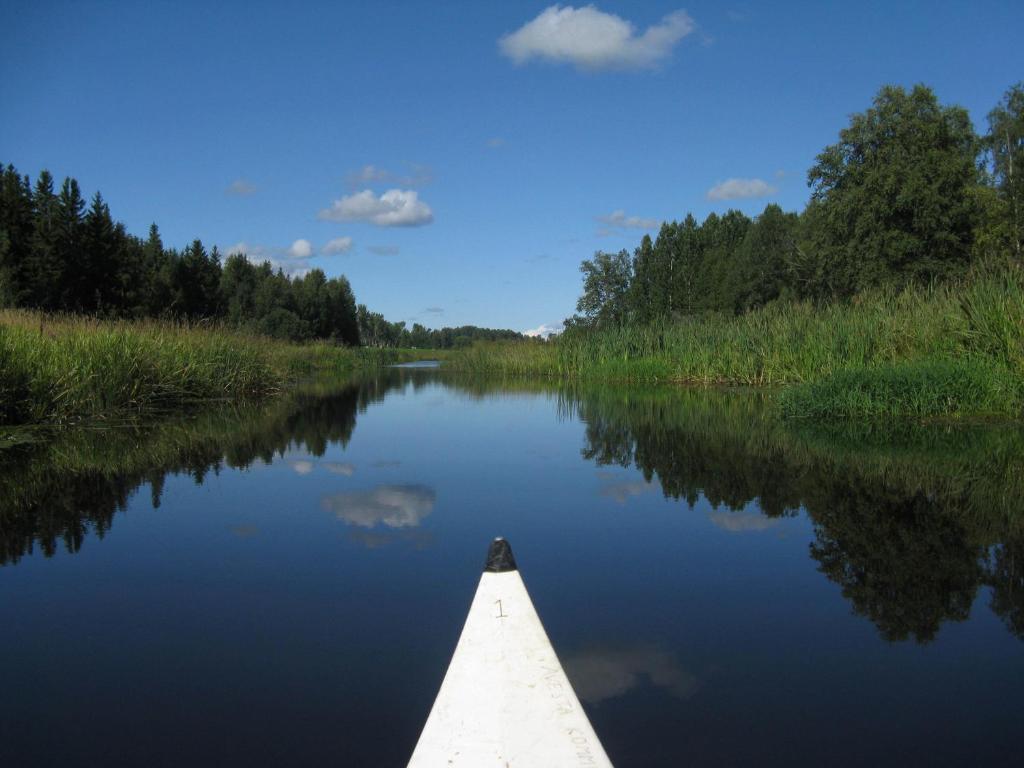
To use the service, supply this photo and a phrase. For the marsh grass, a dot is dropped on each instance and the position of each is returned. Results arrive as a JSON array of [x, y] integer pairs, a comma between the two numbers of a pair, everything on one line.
[[919, 389], [55, 369], [953, 349]]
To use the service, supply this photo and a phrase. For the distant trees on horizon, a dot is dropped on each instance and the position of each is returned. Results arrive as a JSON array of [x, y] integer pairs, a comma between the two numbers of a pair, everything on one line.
[[908, 195], [57, 255]]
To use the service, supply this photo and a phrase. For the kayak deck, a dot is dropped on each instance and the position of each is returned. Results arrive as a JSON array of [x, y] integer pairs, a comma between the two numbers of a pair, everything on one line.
[[505, 700]]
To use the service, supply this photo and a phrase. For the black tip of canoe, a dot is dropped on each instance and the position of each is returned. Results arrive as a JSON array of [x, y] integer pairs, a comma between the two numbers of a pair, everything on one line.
[[499, 557]]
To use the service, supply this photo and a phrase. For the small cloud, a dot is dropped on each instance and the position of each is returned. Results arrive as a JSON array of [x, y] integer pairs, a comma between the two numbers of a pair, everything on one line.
[[537, 258], [383, 250], [495, 142], [301, 467], [284, 259], [736, 16], [779, 174], [368, 174], [386, 464], [601, 674], [240, 188], [623, 492], [339, 468], [337, 246], [300, 249], [371, 175], [544, 330], [740, 189], [244, 531], [434, 310], [591, 39], [393, 506], [620, 219], [741, 522], [394, 208]]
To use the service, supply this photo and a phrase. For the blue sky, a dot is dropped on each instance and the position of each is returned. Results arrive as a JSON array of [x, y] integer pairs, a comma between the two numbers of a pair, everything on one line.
[[518, 138]]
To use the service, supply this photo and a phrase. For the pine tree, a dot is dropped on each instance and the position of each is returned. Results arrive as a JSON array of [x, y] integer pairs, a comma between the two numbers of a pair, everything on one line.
[[15, 229], [44, 273], [70, 207]]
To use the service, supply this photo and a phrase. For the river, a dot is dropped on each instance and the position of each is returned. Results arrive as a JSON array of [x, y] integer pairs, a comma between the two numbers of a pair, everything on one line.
[[285, 586]]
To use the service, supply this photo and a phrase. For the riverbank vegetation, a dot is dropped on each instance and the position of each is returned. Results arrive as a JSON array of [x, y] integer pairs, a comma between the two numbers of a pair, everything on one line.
[[59, 369], [956, 348], [897, 291]]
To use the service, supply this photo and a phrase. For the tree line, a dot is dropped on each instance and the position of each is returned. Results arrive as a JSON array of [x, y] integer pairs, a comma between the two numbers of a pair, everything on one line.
[[56, 254], [909, 194], [376, 331]]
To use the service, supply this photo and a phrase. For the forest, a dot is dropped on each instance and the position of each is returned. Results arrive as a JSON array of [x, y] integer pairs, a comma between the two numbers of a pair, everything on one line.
[[59, 255], [910, 195]]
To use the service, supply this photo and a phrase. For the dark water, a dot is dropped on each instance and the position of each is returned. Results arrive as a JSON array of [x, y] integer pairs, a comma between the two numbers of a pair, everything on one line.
[[285, 587]]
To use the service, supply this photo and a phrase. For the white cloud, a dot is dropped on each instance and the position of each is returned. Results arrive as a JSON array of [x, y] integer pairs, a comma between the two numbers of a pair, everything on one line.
[[257, 254], [620, 219], [740, 522], [394, 208], [337, 246], [383, 250], [544, 330], [339, 468], [291, 260], [495, 142], [600, 674], [240, 188], [591, 39], [393, 506], [300, 249], [372, 174], [301, 467], [739, 189], [623, 492]]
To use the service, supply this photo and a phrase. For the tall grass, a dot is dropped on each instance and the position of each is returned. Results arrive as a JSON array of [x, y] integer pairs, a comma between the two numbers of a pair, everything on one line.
[[958, 346], [59, 368]]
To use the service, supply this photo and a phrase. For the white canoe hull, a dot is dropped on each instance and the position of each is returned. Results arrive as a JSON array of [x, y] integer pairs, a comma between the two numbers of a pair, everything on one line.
[[505, 700]]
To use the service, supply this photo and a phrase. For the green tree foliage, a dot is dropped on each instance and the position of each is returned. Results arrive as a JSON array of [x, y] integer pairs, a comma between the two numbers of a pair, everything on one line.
[[895, 192], [15, 237], [376, 331], [606, 281], [900, 198], [56, 255], [1004, 145]]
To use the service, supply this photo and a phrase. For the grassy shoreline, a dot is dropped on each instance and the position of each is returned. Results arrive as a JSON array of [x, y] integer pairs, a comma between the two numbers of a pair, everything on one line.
[[951, 350], [57, 369]]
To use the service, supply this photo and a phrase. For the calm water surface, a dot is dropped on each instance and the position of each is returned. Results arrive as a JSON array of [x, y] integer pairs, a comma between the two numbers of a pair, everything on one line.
[[286, 587]]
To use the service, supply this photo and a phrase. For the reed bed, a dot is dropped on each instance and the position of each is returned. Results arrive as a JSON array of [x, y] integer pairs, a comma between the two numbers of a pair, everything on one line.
[[953, 349], [55, 369]]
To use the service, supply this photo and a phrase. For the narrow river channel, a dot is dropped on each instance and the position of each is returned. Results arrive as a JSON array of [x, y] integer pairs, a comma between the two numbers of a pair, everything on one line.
[[285, 586]]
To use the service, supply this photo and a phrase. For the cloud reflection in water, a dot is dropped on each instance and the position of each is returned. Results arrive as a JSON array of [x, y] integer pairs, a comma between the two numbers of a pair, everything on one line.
[[740, 522], [601, 674], [339, 468], [393, 506]]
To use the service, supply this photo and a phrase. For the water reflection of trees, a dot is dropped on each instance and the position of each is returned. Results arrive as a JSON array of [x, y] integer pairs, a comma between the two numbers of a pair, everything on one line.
[[910, 522], [55, 493]]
